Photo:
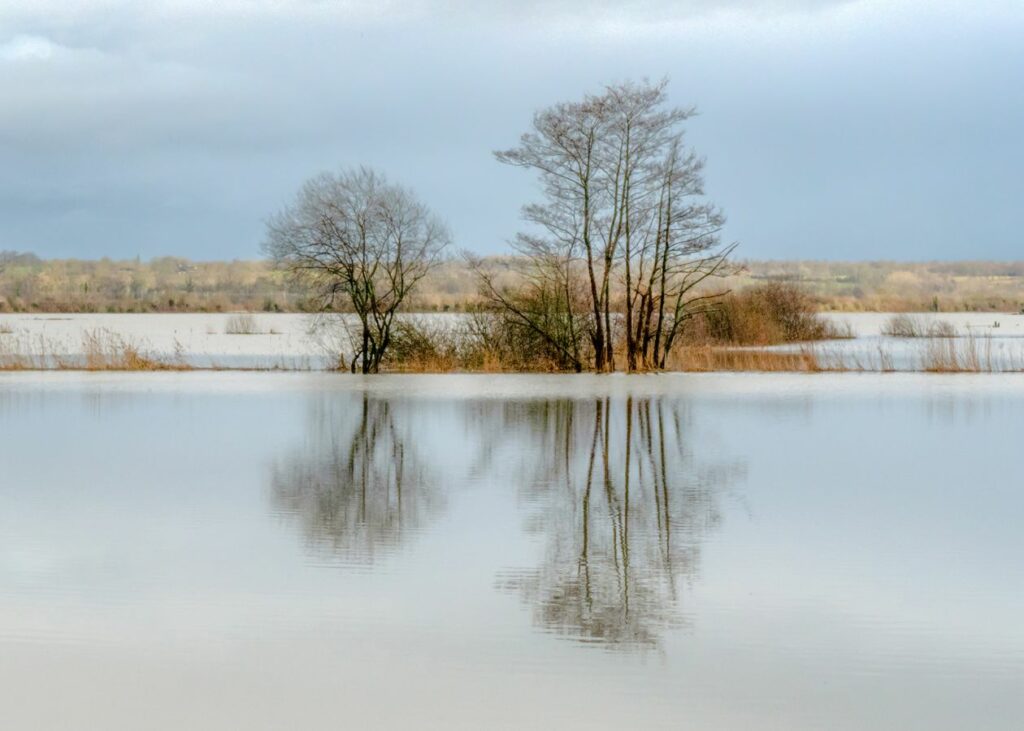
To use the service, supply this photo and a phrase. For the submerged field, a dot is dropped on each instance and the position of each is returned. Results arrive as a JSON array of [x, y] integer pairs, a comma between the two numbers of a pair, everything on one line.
[[506, 552], [977, 342]]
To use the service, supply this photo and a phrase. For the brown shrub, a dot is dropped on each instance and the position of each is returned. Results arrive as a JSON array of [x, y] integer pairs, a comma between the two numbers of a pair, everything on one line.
[[484, 342], [768, 314]]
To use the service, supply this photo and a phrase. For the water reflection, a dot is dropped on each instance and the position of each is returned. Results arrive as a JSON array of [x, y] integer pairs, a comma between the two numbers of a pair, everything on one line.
[[623, 507], [611, 487], [879, 587], [358, 485]]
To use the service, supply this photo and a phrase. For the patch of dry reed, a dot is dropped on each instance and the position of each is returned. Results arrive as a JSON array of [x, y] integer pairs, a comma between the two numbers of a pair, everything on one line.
[[909, 326], [964, 355], [101, 350], [241, 324], [704, 358]]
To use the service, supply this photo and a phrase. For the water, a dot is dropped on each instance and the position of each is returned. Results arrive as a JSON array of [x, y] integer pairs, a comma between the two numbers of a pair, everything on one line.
[[992, 342], [205, 340], [296, 341], [279, 551]]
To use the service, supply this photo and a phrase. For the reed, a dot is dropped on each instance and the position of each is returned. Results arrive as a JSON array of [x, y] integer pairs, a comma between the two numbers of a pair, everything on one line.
[[909, 326], [965, 355], [241, 324], [704, 358], [12, 358], [101, 350]]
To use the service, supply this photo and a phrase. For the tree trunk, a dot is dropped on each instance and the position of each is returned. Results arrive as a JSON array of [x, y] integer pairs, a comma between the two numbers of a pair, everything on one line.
[[366, 348]]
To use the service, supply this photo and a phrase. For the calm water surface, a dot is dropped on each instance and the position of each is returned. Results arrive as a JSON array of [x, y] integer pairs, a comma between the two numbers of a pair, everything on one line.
[[300, 551]]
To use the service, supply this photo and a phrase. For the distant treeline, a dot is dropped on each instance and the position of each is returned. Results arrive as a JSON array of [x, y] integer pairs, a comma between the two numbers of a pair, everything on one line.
[[171, 284], [885, 286]]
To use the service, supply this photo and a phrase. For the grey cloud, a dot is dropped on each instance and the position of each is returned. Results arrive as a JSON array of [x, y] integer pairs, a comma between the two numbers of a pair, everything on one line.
[[58, 95], [174, 129]]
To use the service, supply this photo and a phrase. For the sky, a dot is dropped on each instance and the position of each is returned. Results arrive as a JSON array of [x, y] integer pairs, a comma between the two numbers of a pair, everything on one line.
[[833, 129]]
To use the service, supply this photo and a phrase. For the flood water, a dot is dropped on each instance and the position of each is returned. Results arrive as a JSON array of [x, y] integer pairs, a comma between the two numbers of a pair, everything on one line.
[[304, 551], [305, 342]]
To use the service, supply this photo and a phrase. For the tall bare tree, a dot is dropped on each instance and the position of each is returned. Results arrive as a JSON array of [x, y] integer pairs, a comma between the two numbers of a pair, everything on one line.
[[563, 147], [363, 241], [621, 207], [680, 249]]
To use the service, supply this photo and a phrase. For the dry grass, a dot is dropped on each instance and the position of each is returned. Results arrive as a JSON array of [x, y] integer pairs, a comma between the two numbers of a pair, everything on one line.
[[939, 354], [12, 359], [705, 358], [101, 350], [444, 364], [106, 351]]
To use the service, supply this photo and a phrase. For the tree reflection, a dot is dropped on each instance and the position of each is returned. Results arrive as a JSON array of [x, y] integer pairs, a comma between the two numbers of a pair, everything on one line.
[[613, 490], [623, 508], [357, 485]]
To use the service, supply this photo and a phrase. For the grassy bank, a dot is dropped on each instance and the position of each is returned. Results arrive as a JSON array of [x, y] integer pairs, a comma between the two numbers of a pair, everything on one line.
[[173, 284]]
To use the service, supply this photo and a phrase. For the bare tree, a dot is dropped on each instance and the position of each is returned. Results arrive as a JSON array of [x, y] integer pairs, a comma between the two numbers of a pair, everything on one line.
[[365, 243], [563, 147], [680, 250], [621, 206]]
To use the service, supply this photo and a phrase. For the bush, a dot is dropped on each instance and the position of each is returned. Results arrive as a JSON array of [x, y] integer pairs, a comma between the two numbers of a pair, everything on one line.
[[764, 315], [488, 341], [419, 345]]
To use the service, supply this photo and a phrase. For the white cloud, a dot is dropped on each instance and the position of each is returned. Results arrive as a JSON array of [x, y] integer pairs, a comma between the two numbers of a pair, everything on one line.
[[28, 48]]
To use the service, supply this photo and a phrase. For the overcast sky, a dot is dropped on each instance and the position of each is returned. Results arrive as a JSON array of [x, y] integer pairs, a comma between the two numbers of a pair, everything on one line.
[[837, 129]]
